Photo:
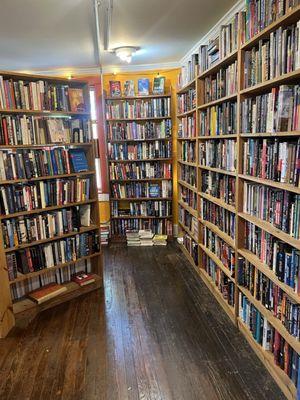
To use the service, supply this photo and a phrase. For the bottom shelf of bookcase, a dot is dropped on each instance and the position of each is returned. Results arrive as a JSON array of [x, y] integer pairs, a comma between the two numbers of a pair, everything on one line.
[[26, 310], [188, 256], [267, 358]]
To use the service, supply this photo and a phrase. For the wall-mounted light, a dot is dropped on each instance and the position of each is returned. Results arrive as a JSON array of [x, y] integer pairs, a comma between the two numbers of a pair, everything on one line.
[[125, 53]]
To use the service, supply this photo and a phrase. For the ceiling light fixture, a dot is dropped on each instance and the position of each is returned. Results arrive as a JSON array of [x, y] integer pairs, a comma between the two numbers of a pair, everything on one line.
[[125, 53]]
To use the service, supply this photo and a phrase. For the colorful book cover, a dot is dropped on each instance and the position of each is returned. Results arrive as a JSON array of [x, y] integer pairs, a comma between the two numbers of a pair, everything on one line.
[[143, 87], [129, 88], [76, 100], [78, 160], [159, 85], [154, 190], [115, 88]]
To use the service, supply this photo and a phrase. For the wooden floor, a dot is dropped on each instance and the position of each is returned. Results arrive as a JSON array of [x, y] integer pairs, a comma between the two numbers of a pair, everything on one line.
[[159, 335]]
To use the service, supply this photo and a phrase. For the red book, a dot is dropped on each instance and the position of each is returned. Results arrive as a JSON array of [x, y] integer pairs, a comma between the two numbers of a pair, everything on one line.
[[276, 349], [46, 292], [83, 279]]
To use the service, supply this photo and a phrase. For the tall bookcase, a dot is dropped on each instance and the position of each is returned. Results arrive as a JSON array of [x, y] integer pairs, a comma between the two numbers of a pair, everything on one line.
[[17, 311], [139, 140], [234, 271]]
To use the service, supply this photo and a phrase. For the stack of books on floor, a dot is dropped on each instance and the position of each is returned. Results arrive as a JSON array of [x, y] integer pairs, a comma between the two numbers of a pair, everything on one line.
[[160, 240], [146, 237], [104, 229], [133, 238]]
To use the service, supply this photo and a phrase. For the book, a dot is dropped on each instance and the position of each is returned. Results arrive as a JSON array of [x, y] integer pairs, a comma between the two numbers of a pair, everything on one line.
[[219, 120], [159, 85], [141, 108], [129, 88], [115, 88], [83, 279], [159, 226], [186, 101], [136, 131], [85, 215], [76, 99], [154, 190], [140, 151], [143, 87], [78, 160], [219, 216], [218, 154], [47, 292]]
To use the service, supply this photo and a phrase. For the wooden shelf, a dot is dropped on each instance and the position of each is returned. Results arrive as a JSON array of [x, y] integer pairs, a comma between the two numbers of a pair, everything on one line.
[[268, 182], [218, 170], [190, 164], [140, 140], [188, 186], [186, 113], [141, 160], [137, 97], [140, 217], [219, 202], [229, 59], [188, 208], [271, 134], [44, 112], [217, 261], [138, 119], [184, 227], [218, 232], [42, 146], [142, 199], [142, 180], [229, 136], [186, 87], [47, 177], [218, 101], [186, 138]]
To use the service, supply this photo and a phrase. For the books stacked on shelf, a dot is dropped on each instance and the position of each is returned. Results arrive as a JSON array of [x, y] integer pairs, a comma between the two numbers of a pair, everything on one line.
[[224, 284], [147, 208], [39, 95], [187, 127], [221, 186], [138, 108], [218, 154], [32, 196], [186, 101], [218, 216], [278, 207], [189, 221], [157, 226], [133, 238], [126, 130], [273, 159], [220, 248], [273, 57], [223, 84], [28, 130], [83, 279], [218, 120], [160, 240], [188, 151], [104, 233], [146, 237], [139, 151], [191, 246], [141, 170], [256, 18], [143, 87], [276, 111], [188, 197], [276, 255], [188, 72], [47, 292], [142, 190]]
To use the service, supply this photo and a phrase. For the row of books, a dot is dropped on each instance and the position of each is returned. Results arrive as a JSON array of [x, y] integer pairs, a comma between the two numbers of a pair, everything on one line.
[[31, 228], [218, 216], [191, 246], [278, 207], [40, 95], [218, 185], [186, 101], [32, 196], [59, 276], [285, 357], [26, 130], [188, 197], [278, 256], [259, 14], [273, 159], [140, 108], [104, 233], [139, 151], [148, 208], [278, 55], [143, 87], [218, 120], [188, 72], [139, 131], [51, 254], [189, 221], [27, 164], [222, 46], [141, 189], [188, 174], [157, 226], [224, 284], [277, 111], [271, 296], [218, 154], [188, 151], [142, 170], [224, 83], [187, 126]]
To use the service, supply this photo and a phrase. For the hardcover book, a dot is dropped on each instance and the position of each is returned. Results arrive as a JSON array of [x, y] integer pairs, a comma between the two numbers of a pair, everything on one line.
[[159, 85], [143, 87], [154, 190], [76, 100], [46, 292], [78, 160], [115, 88], [83, 279], [129, 88]]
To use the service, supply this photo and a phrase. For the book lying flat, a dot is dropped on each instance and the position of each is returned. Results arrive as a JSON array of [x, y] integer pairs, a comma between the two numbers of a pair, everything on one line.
[[83, 279], [46, 292]]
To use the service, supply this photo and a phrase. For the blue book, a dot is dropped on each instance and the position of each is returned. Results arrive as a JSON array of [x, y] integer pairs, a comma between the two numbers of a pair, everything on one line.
[[154, 190], [78, 160], [143, 87]]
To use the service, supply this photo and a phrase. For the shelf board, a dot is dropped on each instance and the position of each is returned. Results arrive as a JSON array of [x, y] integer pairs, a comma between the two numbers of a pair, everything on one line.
[[219, 202], [218, 232], [188, 186], [140, 217], [184, 227], [254, 260], [47, 177], [32, 77], [186, 138], [218, 170], [142, 180], [138, 119], [188, 208], [42, 146], [44, 112], [268, 182], [271, 134], [140, 140], [40, 210], [186, 113], [229, 136], [191, 164], [141, 160], [186, 87], [217, 261], [25, 277], [268, 227], [220, 64], [58, 237], [218, 101], [137, 97], [142, 199]]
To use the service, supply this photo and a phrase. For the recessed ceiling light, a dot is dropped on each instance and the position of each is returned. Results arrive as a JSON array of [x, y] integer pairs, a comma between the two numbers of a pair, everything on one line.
[[125, 53]]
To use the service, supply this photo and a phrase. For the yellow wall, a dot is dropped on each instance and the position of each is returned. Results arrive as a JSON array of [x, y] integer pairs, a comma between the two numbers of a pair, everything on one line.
[[171, 81]]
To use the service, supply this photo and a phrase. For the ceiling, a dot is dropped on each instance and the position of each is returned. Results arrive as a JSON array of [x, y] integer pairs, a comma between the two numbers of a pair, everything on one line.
[[50, 34]]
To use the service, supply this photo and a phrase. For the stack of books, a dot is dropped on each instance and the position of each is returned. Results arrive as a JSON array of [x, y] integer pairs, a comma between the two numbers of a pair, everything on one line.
[[104, 229], [133, 238], [160, 240], [146, 237]]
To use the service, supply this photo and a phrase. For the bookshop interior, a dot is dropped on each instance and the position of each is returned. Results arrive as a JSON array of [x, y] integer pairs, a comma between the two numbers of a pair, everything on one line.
[[150, 200]]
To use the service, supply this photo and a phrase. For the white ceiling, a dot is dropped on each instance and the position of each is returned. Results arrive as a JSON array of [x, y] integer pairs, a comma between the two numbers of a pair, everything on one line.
[[49, 34]]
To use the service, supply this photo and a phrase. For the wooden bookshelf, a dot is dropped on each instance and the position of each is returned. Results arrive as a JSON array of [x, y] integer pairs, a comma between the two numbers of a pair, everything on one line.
[[238, 244], [123, 221], [22, 309]]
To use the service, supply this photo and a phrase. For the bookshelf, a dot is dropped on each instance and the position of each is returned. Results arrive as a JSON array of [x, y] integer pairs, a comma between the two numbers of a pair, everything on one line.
[[238, 233], [139, 140], [43, 194]]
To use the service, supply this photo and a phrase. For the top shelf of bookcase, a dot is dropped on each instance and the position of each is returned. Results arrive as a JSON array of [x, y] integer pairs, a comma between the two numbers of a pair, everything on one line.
[[185, 88], [150, 96], [33, 78], [43, 112], [222, 63]]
